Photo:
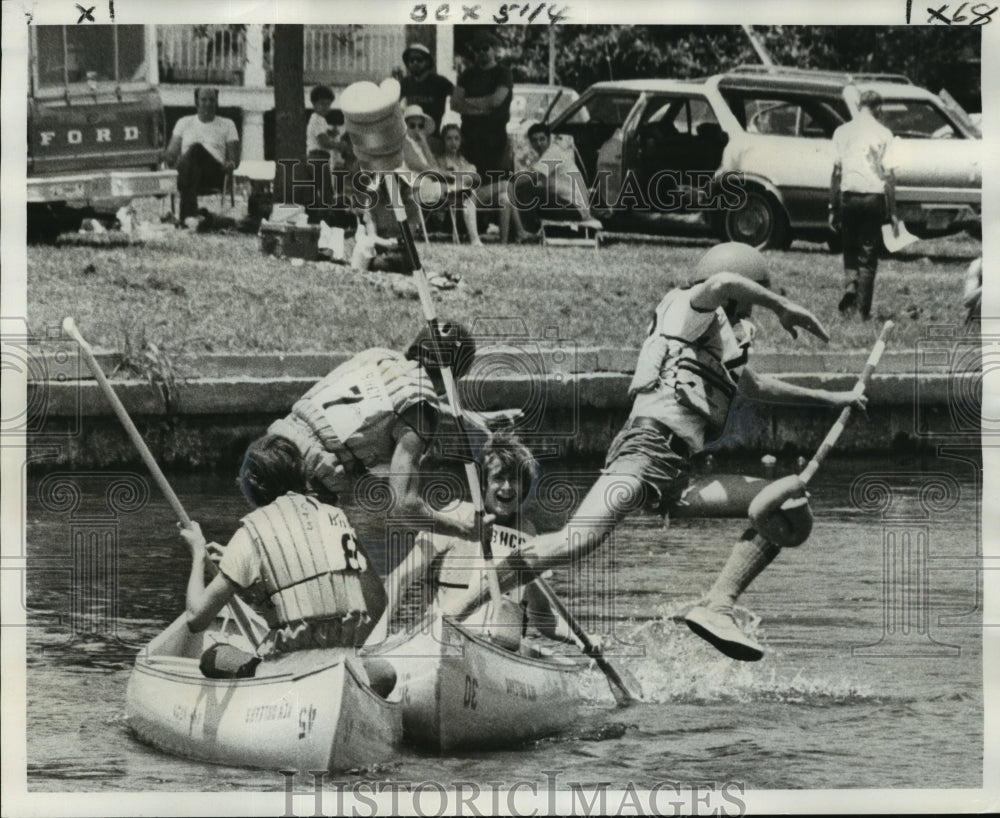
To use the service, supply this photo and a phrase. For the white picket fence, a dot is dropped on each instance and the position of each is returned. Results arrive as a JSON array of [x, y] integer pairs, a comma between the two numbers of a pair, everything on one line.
[[334, 55]]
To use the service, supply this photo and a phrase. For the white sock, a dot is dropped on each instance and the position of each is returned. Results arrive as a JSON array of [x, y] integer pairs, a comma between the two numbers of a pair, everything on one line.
[[747, 560]]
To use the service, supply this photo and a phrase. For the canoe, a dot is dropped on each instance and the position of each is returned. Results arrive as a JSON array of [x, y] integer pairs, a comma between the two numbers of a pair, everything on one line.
[[310, 710], [461, 691]]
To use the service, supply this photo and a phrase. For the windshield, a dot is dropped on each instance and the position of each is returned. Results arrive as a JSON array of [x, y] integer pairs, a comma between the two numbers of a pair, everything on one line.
[[532, 104], [915, 119], [610, 108], [68, 55]]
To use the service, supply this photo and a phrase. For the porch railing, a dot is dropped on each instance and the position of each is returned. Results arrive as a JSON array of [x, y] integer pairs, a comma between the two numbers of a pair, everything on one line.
[[332, 54]]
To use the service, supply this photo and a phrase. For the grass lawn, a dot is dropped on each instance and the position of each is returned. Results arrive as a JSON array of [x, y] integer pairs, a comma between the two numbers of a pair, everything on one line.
[[191, 293]]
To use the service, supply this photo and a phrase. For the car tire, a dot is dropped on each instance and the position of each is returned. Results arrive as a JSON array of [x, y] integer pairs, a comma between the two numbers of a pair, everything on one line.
[[759, 222]]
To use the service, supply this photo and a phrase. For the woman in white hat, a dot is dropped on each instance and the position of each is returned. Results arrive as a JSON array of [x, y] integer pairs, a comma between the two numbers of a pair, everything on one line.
[[419, 159]]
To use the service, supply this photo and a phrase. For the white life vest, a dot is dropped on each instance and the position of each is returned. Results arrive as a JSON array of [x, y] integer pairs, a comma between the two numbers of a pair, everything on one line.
[[344, 424], [701, 372], [312, 568], [462, 564]]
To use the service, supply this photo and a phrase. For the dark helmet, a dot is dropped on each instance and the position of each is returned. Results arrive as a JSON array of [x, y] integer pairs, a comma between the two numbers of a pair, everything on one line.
[[272, 466], [734, 257], [458, 348]]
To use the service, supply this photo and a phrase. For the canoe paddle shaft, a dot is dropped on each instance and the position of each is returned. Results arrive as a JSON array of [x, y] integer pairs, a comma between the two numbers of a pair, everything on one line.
[[69, 327], [427, 303]]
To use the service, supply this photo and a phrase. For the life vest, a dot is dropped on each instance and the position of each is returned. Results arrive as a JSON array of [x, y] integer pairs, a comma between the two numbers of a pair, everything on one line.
[[702, 372], [313, 570], [343, 425], [462, 564]]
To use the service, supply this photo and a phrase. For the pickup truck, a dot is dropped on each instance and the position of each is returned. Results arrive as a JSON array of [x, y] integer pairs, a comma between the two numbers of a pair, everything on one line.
[[96, 129]]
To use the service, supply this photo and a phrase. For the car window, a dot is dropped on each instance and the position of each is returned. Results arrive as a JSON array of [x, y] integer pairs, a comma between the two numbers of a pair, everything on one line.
[[778, 115], [71, 54], [682, 115], [915, 119], [533, 104], [608, 109]]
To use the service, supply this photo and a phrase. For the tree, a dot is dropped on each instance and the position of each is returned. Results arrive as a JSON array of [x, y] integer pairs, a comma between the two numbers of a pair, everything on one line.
[[931, 56], [289, 109]]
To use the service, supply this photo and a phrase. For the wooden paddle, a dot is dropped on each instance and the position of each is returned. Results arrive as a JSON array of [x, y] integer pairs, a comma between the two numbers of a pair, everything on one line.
[[239, 612], [626, 691], [451, 392], [845, 414]]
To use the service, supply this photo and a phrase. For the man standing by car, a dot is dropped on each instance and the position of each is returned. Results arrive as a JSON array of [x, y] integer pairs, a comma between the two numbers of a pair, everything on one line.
[[862, 195], [483, 97]]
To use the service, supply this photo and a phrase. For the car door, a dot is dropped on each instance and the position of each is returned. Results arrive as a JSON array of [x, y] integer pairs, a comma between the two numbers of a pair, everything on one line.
[[786, 146], [594, 120], [673, 143], [939, 163]]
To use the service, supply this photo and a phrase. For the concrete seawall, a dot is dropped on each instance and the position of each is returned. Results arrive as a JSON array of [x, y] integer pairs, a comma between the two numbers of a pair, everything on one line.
[[574, 402]]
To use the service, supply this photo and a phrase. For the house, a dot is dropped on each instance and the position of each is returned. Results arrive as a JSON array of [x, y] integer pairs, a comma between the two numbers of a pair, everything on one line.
[[237, 60]]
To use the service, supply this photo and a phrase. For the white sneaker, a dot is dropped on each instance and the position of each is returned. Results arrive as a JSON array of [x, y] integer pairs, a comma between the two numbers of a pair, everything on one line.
[[717, 624]]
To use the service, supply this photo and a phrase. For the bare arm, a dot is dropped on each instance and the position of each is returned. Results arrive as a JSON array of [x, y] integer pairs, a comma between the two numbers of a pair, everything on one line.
[[834, 208], [890, 197], [404, 478], [721, 288], [232, 154], [203, 603], [756, 387], [461, 104], [173, 152]]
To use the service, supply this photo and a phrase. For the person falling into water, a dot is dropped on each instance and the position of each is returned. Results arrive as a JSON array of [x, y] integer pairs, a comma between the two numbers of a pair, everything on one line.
[[690, 368], [378, 411]]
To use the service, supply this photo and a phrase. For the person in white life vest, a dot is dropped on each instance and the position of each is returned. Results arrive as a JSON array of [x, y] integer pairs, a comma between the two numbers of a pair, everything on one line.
[[690, 368], [507, 470], [380, 410], [294, 559]]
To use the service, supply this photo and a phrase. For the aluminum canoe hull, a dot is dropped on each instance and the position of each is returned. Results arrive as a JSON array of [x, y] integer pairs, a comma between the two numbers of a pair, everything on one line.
[[310, 710], [461, 691]]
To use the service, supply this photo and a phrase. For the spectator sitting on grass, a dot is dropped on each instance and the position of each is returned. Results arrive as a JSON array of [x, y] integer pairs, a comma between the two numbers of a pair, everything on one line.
[[204, 148], [552, 188]]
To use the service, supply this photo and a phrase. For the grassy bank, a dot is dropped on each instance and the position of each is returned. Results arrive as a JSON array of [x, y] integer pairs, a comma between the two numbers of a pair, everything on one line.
[[215, 292]]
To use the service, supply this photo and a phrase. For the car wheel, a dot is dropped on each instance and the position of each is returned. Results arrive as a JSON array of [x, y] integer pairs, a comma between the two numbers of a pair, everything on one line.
[[759, 222]]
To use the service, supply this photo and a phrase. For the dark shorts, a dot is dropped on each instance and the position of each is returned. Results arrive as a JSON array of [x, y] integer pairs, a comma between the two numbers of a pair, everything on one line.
[[648, 450]]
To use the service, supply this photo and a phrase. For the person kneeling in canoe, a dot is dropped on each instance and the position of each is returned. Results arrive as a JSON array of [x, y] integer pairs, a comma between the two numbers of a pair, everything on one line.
[[295, 560], [379, 410], [690, 368], [507, 470]]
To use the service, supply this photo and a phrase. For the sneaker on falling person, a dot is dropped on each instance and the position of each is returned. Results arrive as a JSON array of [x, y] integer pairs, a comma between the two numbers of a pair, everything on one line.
[[717, 624]]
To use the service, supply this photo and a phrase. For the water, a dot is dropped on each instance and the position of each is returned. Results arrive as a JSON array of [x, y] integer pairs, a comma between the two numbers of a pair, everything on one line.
[[815, 713]]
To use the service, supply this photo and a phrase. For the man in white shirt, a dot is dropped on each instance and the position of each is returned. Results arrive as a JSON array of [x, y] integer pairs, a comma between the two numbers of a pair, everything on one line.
[[863, 194], [204, 148], [552, 188]]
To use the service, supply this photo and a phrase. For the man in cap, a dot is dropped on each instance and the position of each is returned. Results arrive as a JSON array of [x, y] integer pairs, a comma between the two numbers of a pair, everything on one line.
[[862, 197], [483, 97], [422, 85], [690, 367]]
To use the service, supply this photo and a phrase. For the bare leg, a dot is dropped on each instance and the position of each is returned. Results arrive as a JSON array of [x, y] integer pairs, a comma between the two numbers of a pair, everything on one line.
[[610, 499], [469, 215]]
